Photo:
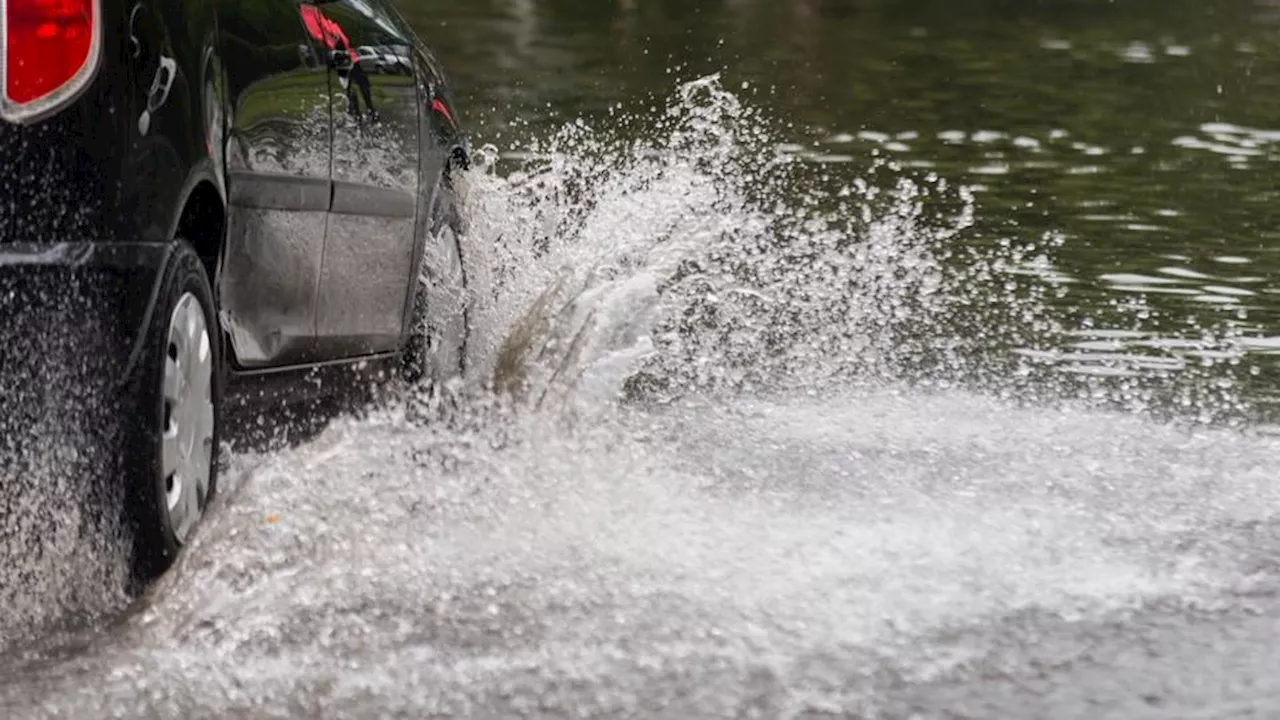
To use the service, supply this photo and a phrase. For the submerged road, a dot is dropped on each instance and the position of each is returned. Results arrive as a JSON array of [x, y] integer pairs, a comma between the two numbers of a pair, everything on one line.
[[878, 554]]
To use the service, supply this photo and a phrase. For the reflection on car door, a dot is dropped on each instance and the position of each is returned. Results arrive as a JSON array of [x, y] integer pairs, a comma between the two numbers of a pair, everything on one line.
[[369, 244], [279, 152]]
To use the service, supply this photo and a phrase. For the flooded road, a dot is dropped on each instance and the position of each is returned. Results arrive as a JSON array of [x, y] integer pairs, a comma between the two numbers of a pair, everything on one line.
[[934, 379], [860, 555]]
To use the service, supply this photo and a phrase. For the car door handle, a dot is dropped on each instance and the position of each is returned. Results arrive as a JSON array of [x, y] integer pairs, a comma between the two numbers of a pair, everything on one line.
[[158, 94], [162, 83]]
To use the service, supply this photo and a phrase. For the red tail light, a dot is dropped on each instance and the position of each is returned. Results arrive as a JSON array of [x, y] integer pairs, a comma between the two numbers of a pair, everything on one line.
[[48, 54]]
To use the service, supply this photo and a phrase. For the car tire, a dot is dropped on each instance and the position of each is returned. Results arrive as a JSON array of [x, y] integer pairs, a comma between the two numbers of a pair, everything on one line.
[[176, 396], [435, 350]]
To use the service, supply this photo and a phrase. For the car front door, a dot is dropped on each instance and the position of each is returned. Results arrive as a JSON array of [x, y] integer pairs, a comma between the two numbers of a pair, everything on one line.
[[369, 243], [278, 157]]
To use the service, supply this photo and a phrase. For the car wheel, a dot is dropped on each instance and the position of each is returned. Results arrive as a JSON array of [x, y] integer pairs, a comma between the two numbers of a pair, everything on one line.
[[435, 351], [177, 391]]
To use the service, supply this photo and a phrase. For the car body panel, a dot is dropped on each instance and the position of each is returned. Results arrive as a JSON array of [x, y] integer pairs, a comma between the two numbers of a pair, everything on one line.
[[369, 242], [88, 295], [278, 158], [172, 57]]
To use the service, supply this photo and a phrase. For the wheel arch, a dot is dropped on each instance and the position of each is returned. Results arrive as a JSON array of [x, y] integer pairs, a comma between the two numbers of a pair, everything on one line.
[[201, 220], [203, 223], [201, 216]]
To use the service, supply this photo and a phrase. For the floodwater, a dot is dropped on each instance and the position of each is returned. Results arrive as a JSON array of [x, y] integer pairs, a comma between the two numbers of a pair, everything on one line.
[[860, 359]]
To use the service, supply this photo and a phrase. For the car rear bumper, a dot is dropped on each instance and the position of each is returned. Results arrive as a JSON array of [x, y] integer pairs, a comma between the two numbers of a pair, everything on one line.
[[78, 303]]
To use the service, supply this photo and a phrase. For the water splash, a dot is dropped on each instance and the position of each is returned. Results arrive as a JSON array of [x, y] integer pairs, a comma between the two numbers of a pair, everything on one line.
[[692, 251], [699, 254], [63, 547]]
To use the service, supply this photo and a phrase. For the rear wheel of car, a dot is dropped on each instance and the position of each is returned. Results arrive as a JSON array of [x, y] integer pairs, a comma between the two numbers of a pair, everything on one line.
[[177, 395]]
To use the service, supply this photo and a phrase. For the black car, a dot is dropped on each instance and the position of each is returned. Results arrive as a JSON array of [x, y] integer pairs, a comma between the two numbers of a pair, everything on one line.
[[195, 193]]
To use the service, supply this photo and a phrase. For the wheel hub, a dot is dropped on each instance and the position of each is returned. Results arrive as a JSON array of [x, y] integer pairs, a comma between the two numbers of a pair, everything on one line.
[[187, 440]]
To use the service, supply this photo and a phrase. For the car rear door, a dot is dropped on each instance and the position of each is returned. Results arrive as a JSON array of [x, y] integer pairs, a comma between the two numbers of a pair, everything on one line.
[[278, 157], [369, 244]]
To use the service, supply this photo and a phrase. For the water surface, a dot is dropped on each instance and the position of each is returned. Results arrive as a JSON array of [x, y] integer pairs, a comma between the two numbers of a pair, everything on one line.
[[1127, 148]]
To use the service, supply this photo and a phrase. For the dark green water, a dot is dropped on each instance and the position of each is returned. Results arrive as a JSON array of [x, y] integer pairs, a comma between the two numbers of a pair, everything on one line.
[[1134, 144]]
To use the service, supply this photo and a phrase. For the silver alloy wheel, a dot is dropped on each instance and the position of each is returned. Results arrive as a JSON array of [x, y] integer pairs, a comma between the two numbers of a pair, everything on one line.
[[187, 442]]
